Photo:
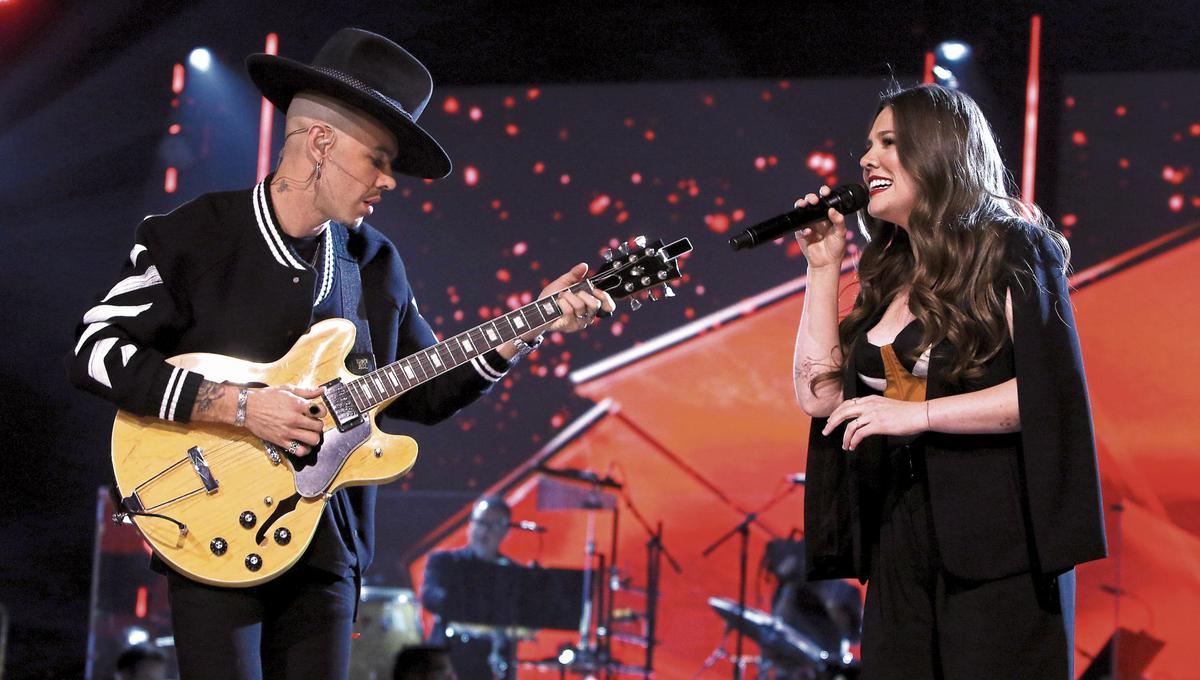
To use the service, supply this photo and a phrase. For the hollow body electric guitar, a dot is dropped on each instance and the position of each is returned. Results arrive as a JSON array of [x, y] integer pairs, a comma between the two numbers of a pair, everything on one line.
[[228, 509]]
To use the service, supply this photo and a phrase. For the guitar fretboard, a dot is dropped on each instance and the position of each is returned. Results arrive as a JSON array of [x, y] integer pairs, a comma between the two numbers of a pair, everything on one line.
[[383, 384]]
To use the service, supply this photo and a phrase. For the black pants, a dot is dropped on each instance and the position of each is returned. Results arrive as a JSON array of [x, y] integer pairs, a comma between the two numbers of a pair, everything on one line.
[[296, 626], [921, 623]]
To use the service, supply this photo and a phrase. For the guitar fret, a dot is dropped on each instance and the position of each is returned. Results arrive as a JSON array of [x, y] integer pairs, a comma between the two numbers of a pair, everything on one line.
[[443, 351], [505, 329], [549, 309], [492, 335], [359, 398], [422, 365], [456, 343]]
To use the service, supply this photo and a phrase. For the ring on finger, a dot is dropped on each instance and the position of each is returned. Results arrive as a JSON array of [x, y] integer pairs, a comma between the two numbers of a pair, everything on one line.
[[293, 447]]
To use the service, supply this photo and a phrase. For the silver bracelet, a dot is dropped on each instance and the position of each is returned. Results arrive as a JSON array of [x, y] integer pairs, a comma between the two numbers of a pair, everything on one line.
[[524, 349], [239, 419]]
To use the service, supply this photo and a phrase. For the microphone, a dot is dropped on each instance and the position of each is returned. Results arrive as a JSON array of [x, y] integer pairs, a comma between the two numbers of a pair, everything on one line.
[[796, 478], [526, 525], [846, 199]]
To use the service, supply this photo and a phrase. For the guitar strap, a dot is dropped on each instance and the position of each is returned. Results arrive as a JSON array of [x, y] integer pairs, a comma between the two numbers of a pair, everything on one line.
[[361, 359]]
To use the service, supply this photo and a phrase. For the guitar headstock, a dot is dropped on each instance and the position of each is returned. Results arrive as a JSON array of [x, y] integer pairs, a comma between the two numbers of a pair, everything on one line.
[[638, 266]]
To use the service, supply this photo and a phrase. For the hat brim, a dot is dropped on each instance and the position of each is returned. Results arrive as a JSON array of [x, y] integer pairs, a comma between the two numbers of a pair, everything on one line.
[[280, 79]]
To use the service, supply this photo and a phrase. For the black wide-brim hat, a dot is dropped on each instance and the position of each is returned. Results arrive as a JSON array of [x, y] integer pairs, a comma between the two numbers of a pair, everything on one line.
[[372, 74]]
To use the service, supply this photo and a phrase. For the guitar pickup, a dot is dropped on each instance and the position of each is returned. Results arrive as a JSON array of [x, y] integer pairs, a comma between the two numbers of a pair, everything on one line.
[[196, 456], [340, 404]]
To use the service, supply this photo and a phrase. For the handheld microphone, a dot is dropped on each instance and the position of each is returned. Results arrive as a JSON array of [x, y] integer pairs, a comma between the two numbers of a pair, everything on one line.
[[796, 478], [846, 199], [526, 525]]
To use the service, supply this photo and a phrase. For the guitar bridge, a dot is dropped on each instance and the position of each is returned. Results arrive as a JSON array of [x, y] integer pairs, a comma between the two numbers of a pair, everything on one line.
[[196, 456], [341, 406]]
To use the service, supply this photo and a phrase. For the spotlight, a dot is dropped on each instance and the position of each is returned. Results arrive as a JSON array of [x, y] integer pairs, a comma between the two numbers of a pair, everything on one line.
[[945, 76], [200, 59], [136, 636], [954, 50]]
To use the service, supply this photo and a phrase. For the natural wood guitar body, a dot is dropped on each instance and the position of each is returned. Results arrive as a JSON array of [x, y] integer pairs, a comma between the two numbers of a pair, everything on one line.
[[223, 545]]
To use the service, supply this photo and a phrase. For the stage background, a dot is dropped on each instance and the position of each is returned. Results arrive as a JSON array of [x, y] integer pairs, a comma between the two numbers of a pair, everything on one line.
[[561, 170]]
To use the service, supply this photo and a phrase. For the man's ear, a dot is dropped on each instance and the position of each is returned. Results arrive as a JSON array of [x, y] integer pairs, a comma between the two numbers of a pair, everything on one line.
[[322, 138]]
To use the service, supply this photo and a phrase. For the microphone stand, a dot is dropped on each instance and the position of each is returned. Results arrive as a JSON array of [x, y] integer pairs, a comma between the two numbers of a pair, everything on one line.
[[743, 530]]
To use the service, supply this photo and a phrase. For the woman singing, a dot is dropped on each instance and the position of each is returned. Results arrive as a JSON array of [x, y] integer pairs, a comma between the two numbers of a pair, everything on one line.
[[951, 462]]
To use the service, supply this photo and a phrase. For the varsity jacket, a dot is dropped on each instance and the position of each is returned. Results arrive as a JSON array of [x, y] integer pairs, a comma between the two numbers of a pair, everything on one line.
[[217, 275]]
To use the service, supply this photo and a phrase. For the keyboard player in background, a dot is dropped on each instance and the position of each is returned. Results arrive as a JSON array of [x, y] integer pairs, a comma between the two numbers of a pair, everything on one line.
[[475, 651]]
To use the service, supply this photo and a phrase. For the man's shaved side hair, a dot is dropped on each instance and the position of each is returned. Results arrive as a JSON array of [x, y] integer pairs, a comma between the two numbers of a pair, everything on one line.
[[308, 108]]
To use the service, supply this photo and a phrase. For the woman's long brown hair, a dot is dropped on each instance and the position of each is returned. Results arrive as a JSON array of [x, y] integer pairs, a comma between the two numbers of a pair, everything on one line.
[[958, 225]]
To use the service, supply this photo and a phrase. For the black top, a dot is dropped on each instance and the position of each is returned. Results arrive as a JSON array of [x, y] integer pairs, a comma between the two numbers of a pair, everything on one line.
[[1000, 504]]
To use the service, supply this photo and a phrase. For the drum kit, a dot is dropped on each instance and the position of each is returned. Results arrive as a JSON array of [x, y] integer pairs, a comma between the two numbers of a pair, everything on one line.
[[786, 652]]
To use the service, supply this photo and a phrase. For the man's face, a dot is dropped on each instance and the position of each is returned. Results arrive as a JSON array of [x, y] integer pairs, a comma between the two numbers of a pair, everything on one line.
[[356, 172], [486, 532]]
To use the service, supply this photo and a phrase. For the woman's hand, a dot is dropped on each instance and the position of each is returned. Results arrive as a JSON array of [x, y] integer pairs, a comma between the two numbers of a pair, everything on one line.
[[872, 415], [823, 243]]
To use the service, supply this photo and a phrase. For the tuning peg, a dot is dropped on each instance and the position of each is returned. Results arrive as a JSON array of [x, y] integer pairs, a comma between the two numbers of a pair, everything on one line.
[[635, 304], [664, 291], [640, 241], [623, 249], [609, 255]]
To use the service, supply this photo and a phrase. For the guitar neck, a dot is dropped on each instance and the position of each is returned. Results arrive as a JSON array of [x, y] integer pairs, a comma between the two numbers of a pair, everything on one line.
[[387, 383]]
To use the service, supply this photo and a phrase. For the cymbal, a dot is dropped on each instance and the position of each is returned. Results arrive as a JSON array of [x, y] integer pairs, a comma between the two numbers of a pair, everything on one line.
[[774, 636]]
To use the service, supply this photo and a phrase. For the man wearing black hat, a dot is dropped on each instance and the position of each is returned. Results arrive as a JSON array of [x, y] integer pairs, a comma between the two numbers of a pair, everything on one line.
[[245, 273]]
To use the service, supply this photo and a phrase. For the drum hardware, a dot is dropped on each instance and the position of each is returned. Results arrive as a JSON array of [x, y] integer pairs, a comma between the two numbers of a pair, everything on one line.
[[743, 531]]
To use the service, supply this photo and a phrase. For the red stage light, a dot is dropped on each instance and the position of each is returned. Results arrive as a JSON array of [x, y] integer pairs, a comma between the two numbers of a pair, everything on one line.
[[178, 76], [475, 113], [471, 175], [1032, 95], [174, 129], [140, 606], [930, 61], [266, 116], [450, 106], [599, 204], [171, 180]]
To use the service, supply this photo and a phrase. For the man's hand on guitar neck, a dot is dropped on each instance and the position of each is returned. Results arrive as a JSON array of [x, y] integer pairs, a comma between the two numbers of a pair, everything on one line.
[[285, 415], [579, 309]]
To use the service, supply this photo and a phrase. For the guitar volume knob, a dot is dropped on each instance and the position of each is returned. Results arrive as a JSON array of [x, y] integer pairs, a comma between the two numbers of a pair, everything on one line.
[[253, 562], [247, 519], [218, 546], [283, 536]]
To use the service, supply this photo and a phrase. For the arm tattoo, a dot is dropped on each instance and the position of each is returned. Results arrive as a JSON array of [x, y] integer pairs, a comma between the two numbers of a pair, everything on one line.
[[804, 370], [206, 398], [283, 185]]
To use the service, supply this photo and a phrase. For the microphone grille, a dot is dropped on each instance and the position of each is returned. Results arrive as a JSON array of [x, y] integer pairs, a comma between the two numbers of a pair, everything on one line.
[[848, 198]]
